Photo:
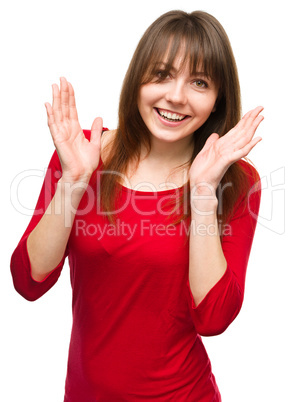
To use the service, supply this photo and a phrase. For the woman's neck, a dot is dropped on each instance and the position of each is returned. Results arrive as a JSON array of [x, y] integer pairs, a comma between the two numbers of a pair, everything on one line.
[[164, 167], [169, 155]]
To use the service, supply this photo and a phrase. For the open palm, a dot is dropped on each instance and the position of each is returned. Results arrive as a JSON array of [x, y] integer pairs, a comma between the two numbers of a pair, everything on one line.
[[219, 153], [78, 156]]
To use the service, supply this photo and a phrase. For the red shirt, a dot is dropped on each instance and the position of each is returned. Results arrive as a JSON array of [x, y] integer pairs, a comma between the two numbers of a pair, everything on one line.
[[136, 332]]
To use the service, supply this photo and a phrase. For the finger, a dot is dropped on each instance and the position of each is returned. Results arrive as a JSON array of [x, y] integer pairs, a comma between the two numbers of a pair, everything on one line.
[[56, 104], [255, 123], [252, 113], [248, 133], [241, 153], [72, 103], [251, 117], [96, 130], [210, 140], [244, 131], [64, 96], [245, 122], [50, 120]]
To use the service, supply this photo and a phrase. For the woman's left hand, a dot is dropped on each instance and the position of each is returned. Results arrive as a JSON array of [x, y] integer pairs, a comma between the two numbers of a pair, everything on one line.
[[219, 153]]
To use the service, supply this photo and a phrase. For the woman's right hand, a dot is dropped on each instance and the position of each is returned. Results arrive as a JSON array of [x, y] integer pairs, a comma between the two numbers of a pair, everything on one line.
[[78, 156]]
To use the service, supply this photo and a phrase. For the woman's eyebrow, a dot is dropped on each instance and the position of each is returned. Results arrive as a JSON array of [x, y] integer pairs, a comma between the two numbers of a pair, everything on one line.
[[201, 74]]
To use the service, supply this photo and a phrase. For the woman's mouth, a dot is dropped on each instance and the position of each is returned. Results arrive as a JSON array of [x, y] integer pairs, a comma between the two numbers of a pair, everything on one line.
[[171, 116]]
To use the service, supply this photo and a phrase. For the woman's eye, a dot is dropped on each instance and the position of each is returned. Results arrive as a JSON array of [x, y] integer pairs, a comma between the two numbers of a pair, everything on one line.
[[162, 75], [200, 84]]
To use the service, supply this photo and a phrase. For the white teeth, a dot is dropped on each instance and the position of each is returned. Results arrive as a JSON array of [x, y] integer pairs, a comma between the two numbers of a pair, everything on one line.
[[170, 116]]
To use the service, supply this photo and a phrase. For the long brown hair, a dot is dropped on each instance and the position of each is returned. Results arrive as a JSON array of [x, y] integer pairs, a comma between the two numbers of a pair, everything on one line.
[[207, 45]]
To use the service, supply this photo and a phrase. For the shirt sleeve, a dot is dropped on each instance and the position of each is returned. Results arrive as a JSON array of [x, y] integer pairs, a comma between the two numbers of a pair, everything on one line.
[[20, 265], [223, 302]]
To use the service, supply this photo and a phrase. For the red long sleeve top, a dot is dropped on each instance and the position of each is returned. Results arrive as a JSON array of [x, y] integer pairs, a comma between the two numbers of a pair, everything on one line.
[[136, 333]]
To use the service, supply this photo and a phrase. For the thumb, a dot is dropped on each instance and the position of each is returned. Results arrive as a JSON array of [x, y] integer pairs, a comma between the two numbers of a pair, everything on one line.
[[96, 130], [210, 140]]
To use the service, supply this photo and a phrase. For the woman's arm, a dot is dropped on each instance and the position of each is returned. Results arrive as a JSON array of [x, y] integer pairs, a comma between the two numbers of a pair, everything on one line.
[[222, 303], [23, 281], [208, 263], [78, 159], [46, 244]]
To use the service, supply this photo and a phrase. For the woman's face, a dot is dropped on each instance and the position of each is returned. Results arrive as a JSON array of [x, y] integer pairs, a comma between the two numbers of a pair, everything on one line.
[[175, 106]]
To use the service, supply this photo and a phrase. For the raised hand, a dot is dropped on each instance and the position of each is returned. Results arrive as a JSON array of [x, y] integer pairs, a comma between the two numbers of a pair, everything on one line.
[[219, 153], [78, 156]]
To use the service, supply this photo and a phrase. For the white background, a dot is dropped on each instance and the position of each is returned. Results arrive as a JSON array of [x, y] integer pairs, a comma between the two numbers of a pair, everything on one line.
[[91, 44]]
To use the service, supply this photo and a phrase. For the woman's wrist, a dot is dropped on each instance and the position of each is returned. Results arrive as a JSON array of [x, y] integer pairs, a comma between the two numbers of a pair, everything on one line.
[[203, 200], [71, 180], [71, 192]]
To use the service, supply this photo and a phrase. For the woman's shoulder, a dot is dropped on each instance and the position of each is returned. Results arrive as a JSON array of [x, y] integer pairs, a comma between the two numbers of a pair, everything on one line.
[[249, 170], [250, 184]]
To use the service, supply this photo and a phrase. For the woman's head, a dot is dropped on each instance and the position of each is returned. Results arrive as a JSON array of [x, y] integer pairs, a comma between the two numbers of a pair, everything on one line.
[[205, 45]]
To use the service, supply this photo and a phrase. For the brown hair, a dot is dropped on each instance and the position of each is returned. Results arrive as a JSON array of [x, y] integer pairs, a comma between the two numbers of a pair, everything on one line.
[[206, 44]]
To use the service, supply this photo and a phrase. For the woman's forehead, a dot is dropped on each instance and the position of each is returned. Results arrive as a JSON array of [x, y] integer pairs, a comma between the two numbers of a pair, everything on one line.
[[180, 56]]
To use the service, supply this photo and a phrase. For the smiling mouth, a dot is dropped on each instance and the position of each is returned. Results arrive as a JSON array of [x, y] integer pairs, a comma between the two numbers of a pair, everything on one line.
[[170, 116]]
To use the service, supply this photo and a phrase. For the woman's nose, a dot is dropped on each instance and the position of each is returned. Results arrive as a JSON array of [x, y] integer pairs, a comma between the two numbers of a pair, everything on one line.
[[176, 92]]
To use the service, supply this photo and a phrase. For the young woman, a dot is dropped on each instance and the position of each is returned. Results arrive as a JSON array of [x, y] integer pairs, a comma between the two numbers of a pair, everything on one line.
[[156, 218]]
